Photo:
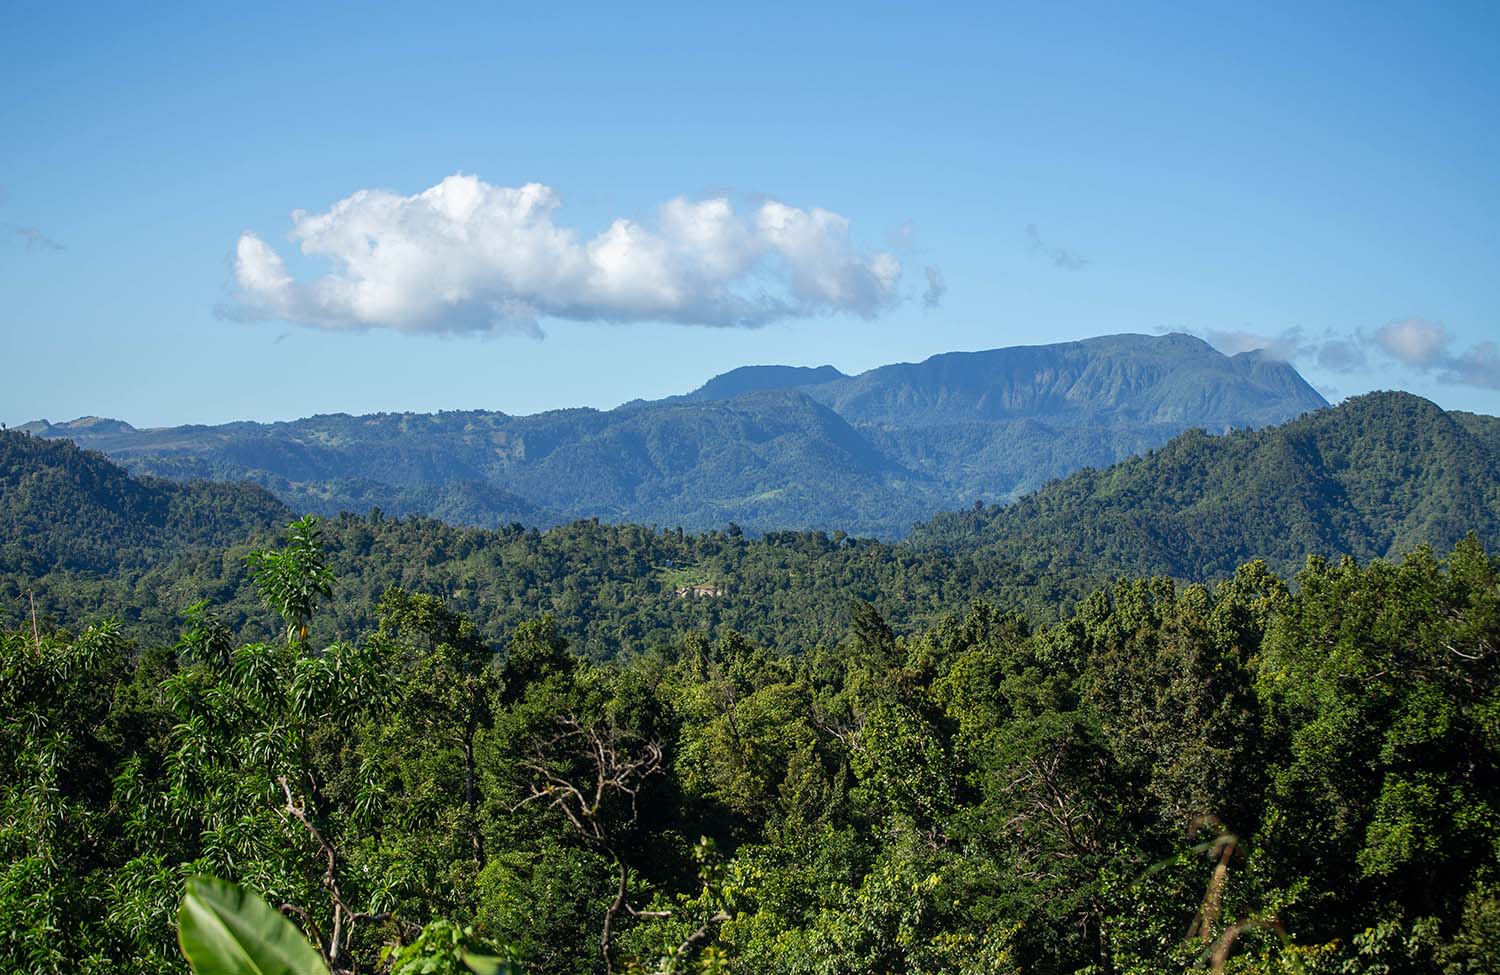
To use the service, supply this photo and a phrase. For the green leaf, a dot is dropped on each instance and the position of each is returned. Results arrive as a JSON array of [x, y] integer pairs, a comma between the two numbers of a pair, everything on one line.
[[489, 964], [226, 930]]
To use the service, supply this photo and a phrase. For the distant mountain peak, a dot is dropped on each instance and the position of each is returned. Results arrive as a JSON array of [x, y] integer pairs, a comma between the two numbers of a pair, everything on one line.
[[756, 379], [84, 424], [766, 446], [1175, 379]]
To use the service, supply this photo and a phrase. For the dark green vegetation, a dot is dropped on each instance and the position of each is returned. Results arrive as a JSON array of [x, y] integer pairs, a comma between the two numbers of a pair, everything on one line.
[[420, 741], [611, 586], [771, 448], [63, 509], [1170, 778], [1374, 477]]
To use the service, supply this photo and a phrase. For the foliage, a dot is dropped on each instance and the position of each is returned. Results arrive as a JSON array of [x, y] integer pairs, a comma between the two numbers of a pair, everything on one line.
[[443, 948], [1245, 776], [292, 580], [227, 930], [1374, 477], [605, 584]]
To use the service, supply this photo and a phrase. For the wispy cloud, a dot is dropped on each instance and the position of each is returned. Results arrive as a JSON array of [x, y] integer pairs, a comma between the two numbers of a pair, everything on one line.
[[936, 288], [1333, 352], [1284, 346], [35, 239], [1414, 342], [33, 236], [468, 256], [1059, 256], [1340, 354]]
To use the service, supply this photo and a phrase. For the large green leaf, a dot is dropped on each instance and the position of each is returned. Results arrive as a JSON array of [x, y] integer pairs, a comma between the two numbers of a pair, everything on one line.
[[226, 930]]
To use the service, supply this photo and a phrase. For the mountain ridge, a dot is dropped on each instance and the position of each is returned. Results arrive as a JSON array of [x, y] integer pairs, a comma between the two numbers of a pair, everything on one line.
[[1373, 477], [768, 447]]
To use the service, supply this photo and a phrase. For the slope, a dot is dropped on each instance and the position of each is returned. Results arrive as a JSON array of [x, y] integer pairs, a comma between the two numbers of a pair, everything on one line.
[[72, 509], [1373, 477]]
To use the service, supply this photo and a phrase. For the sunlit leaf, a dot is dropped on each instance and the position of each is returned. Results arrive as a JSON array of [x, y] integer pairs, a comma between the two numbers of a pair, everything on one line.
[[227, 930]]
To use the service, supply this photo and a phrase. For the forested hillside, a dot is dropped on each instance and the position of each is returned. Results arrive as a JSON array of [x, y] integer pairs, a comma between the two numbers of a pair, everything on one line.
[[612, 587], [610, 748], [1240, 777], [1373, 477], [770, 448], [67, 509]]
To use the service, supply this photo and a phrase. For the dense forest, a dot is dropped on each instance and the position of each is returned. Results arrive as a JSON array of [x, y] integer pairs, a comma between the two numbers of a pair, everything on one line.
[[1373, 477], [1250, 777], [622, 748], [82, 539]]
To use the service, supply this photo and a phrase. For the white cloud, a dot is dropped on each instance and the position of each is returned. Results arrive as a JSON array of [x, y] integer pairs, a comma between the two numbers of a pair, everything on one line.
[[1283, 347], [1332, 352], [1423, 345], [1413, 341], [467, 256]]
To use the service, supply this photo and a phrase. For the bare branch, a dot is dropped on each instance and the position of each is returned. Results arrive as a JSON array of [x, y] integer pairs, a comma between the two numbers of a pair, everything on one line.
[[1457, 652], [344, 919], [614, 764]]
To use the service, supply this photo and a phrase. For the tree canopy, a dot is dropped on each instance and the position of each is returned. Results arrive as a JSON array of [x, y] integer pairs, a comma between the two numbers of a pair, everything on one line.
[[1248, 776]]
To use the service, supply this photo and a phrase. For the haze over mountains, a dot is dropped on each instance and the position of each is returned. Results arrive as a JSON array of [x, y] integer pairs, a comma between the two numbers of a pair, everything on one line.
[[767, 447]]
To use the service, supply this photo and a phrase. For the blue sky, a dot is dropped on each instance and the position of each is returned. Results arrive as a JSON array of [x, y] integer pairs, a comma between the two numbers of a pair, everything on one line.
[[1319, 178]]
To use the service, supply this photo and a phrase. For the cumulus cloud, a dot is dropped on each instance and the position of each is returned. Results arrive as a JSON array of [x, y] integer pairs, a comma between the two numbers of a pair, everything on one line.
[[1425, 346], [1059, 256], [1413, 341], [469, 256], [936, 288]]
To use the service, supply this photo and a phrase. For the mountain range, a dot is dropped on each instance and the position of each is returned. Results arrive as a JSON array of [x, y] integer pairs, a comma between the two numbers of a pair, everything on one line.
[[766, 447], [1375, 476]]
